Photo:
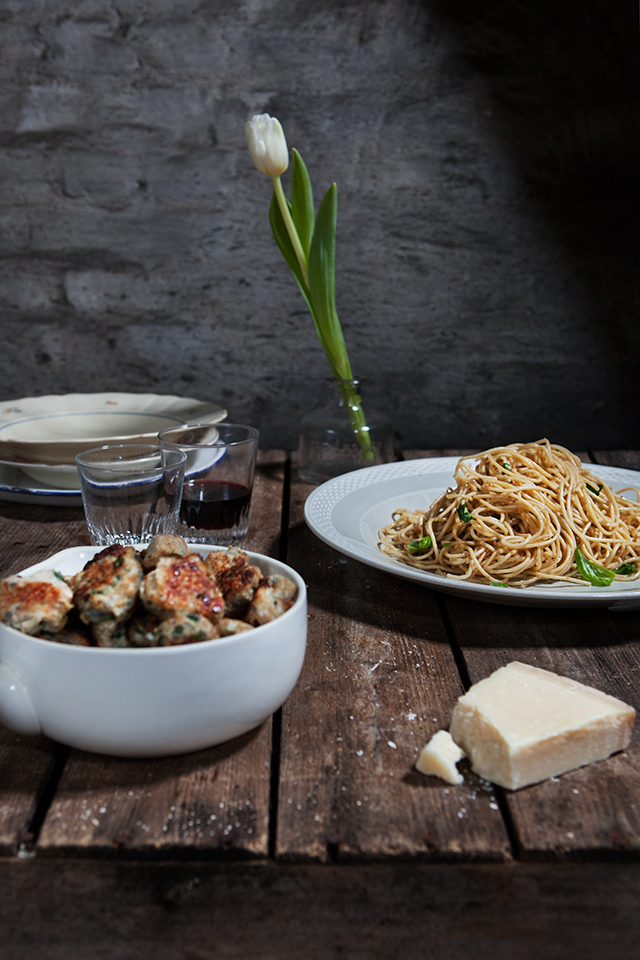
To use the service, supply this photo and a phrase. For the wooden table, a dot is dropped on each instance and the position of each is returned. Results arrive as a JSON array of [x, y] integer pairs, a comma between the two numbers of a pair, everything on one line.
[[313, 836]]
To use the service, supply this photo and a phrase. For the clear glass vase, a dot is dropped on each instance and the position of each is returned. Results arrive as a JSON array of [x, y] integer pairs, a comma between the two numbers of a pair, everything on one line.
[[342, 434]]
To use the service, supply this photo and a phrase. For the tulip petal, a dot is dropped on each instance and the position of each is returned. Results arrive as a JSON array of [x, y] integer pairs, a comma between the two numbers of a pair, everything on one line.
[[267, 144]]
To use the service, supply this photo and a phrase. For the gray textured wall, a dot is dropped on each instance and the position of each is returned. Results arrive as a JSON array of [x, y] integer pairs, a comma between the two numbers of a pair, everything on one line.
[[486, 160]]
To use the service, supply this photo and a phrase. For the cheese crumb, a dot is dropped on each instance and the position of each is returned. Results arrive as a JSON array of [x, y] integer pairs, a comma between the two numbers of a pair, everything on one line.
[[439, 758], [522, 725]]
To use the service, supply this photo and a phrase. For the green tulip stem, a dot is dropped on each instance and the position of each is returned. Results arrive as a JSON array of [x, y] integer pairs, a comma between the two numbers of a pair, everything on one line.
[[353, 403], [291, 230]]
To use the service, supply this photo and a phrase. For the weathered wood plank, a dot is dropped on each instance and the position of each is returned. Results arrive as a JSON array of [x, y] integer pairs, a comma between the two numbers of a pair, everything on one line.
[[216, 800], [26, 766], [379, 678], [212, 801], [588, 812], [629, 459], [30, 533], [266, 503], [432, 454], [54, 910]]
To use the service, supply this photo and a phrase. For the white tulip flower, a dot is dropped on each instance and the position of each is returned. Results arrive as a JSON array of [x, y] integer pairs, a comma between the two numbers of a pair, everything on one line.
[[307, 243], [267, 144]]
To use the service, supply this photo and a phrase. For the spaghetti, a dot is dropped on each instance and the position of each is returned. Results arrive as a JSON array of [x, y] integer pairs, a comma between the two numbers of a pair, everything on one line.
[[521, 514]]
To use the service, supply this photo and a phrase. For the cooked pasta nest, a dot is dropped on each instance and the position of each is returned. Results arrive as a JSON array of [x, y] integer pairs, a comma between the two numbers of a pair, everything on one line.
[[517, 516]]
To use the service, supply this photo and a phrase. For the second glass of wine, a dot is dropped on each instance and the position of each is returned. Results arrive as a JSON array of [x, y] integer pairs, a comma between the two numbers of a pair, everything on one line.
[[218, 480]]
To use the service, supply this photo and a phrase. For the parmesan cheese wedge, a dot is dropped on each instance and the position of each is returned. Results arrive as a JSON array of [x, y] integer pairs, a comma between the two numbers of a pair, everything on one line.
[[522, 725], [439, 757]]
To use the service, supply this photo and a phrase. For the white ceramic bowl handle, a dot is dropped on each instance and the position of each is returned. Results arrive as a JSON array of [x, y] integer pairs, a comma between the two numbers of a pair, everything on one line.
[[16, 709]]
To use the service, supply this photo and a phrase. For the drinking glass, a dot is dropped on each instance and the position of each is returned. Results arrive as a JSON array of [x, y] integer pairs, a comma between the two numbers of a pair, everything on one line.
[[130, 491], [218, 482]]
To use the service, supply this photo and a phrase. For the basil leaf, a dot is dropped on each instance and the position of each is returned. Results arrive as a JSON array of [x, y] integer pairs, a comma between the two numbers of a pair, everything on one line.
[[593, 489], [447, 543], [420, 546], [496, 583], [627, 569], [596, 575], [463, 514]]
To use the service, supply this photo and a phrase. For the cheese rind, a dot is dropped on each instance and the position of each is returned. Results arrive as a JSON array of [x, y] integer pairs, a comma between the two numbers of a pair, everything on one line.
[[522, 725], [439, 757]]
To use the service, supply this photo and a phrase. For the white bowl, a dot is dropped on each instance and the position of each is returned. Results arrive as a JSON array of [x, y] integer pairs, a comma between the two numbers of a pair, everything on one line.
[[156, 701], [48, 431]]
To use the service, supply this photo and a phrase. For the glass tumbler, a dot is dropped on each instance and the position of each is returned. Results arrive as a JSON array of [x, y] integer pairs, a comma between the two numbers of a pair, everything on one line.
[[218, 480], [130, 491]]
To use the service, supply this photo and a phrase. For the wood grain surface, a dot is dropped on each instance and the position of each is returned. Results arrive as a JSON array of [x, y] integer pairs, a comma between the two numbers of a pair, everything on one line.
[[214, 801], [379, 678], [314, 834]]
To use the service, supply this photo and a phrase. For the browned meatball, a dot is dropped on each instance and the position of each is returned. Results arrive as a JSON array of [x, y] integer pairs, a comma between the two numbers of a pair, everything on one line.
[[107, 589], [73, 638], [228, 627], [141, 628], [181, 585], [185, 628], [273, 597], [236, 577], [164, 545], [35, 604], [109, 633]]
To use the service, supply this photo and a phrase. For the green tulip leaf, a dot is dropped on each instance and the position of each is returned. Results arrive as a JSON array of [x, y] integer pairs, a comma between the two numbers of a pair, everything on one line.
[[322, 284], [302, 211], [283, 240]]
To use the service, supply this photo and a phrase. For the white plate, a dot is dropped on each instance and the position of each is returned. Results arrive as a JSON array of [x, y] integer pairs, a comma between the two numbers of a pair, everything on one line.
[[17, 487], [38, 432], [348, 511], [56, 476]]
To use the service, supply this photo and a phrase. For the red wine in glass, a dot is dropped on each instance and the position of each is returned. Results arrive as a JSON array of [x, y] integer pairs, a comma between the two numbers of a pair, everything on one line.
[[215, 505]]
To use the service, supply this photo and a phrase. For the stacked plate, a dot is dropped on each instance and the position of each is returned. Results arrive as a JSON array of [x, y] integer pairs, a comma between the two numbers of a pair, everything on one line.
[[40, 436]]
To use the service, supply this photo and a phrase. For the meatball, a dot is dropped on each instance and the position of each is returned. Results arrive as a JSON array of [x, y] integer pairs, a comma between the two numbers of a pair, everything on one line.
[[273, 597], [109, 633], [35, 604], [228, 627], [141, 629], [236, 577], [181, 585], [107, 589], [73, 638], [185, 628], [164, 545]]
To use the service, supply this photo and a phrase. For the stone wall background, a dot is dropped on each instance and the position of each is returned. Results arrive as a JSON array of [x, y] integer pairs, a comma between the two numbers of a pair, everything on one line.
[[486, 157]]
